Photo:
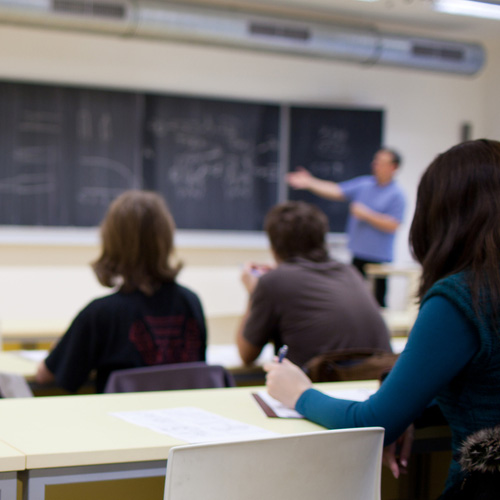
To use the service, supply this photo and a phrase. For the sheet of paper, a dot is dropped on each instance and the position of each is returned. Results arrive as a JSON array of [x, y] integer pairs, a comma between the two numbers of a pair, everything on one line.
[[281, 411], [228, 355], [193, 425], [360, 394], [14, 386], [33, 355], [398, 344]]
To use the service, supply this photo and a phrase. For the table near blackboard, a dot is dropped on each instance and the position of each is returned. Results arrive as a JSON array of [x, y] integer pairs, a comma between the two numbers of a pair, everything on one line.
[[66, 152]]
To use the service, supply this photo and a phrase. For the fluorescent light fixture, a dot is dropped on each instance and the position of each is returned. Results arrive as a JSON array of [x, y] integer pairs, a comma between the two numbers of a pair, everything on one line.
[[468, 8]]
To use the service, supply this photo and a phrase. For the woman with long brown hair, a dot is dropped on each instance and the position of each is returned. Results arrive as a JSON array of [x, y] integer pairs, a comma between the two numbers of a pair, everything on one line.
[[149, 320], [453, 351]]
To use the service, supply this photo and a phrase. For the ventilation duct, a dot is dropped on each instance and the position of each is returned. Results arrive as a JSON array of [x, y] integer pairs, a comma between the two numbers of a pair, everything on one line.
[[204, 25]]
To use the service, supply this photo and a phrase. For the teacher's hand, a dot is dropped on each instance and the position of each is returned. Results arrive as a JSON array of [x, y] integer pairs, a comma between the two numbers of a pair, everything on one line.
[[300, 178], [286, 382]]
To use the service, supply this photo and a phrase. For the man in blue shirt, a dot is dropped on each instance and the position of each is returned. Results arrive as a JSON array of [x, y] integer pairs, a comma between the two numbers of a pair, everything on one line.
[[376, 209]]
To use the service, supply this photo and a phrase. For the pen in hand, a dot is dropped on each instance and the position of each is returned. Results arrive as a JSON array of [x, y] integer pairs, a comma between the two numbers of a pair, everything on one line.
[[282, 353]]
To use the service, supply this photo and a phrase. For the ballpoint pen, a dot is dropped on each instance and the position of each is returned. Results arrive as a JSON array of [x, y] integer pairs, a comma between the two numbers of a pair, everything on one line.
[[282, 353]]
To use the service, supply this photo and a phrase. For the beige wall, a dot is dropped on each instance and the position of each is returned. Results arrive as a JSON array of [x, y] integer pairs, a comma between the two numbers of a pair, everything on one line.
[[424, 114]]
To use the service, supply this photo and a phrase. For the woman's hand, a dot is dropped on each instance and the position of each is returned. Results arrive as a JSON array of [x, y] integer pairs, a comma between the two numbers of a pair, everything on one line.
[[398, 464], [286, 382]]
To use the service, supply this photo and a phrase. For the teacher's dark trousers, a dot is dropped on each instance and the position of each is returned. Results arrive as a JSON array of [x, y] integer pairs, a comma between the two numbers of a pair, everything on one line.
[[380, 283]]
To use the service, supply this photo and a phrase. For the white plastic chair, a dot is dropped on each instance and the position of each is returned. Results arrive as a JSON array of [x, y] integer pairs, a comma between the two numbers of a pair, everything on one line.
[[334, 465]]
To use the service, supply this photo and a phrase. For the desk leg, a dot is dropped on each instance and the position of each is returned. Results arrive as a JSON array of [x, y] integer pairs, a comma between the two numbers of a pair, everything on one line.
[[36, 482], [8, 485]]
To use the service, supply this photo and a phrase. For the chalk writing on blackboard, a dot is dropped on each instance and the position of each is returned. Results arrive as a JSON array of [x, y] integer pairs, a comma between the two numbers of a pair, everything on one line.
[[216, 162], [332, 143], [67, 152], [212, 148], [120, 175], [336, 145]]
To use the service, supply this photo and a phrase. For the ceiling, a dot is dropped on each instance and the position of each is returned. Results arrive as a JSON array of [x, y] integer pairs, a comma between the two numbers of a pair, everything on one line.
[[400, 16]]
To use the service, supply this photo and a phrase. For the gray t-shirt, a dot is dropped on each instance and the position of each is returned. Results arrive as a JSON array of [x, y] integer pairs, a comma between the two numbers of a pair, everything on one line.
[[313, 308]]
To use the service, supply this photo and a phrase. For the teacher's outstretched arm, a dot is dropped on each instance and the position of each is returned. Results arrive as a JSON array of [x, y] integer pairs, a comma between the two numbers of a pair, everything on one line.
[[303, 179]]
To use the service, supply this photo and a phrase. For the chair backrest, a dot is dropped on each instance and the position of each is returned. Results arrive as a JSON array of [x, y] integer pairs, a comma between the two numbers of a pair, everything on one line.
[[337, 465], [350, 364], [196, 375]]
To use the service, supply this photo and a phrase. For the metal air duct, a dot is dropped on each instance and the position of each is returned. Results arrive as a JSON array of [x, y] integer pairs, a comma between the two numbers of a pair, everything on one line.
[[204, 25]]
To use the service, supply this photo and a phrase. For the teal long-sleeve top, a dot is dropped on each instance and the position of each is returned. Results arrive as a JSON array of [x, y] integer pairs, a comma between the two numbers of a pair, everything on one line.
[[440, 345]]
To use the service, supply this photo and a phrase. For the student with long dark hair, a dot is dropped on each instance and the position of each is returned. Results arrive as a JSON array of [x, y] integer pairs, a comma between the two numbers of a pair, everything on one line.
[[149, 320], [453, 351]]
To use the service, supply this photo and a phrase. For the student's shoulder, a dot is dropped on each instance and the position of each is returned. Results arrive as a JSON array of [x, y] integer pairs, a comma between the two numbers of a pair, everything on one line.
[[276, 278], [102, 303], [297, 270], [172, 290], [185, 292], [279, 272]]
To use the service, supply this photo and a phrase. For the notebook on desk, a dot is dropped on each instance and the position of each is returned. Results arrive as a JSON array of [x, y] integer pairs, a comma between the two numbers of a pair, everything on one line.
[[274, 409]]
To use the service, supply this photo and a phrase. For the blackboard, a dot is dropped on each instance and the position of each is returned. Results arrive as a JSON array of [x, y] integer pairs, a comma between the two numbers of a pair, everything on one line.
[[216, 162], [336, 145], [66, 152]]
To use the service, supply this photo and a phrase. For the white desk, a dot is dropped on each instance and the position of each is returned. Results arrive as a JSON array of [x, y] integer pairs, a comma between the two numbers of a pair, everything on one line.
[[14, 362], [74, 439], [32, 331], [399, 321], [24, 363], [11, 461]]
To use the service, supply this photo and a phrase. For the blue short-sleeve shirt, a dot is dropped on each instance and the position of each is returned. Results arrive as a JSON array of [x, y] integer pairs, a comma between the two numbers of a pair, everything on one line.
[[365, 241]]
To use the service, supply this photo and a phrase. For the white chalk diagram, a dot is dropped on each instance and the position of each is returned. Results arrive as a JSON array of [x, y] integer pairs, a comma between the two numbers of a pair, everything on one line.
[[214, 149], [43, 122], [34, 166], [28, 184], [102, 167], [117, 176], [332, 143], [332, 146], [90, 128]]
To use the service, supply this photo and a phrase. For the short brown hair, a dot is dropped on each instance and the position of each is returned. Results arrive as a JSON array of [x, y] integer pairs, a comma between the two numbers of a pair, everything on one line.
[[297, 229], [137, 236], [396, 157]]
